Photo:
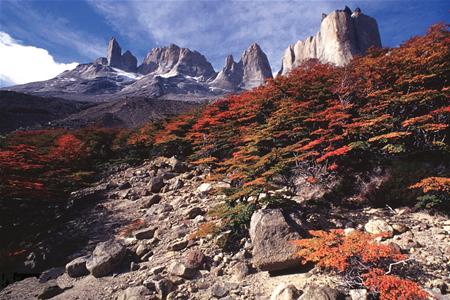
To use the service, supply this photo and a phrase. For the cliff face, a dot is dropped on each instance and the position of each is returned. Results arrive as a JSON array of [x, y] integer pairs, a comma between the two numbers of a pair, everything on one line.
[[343, 34]]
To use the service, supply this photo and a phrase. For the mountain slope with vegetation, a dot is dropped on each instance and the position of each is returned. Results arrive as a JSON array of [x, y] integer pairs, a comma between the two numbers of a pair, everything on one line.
[[316, 154]]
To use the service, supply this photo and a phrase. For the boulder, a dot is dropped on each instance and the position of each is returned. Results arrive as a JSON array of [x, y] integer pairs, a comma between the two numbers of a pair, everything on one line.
[[106, 256], [377, 226], [271, 233], [134, 293], [204, 188], [314, 292], [194, 259], [285, 292], [145, 233], [178, 245], [181, 270], [219, 290], [77, 267], [50, 274], [156, 184], [148, 201]]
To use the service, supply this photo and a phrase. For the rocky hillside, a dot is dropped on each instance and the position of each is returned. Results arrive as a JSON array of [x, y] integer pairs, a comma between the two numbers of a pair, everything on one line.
[[328, 183]]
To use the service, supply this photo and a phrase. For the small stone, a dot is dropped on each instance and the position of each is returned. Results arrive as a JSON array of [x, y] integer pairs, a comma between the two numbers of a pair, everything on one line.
[[194, 212], [77, 267], [156, 270], [142, 249], [146, 233], [134, 266], [399, 228], [178, 245], [50, 274], [181, 270], [285, 292], [358, 294], [194, 259], [147, 202], [219, 290], [156, 184], [134, 293], [240, 270], [348, 231], [314, 292], [164, 287], [204, 188]]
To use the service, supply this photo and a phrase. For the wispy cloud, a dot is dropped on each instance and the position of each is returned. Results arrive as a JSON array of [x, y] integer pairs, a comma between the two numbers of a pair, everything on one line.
[[217, 28], [49, 30], [21, 63]]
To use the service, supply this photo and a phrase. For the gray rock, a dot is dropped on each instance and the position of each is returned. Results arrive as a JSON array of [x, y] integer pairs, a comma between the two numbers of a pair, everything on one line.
[[164, 287], [313, 292], [50, 290], [145, 233], [156, 184], [134, 293], [342, 35], [271, 234], [285, 292], [181, 270], [219, 290], [142, 249], [178, 245], [106, 256], [240, 270], [50, 274], [147, 202], [77, 267]]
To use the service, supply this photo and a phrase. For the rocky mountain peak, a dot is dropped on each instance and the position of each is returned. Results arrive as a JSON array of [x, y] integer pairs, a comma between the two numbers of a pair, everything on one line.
[[343, 34], [251, 71], [114, 54], [174, 60], [116, 59], [256, 67]]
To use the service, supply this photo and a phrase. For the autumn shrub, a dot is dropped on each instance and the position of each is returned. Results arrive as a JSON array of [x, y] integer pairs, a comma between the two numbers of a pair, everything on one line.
[[360, 261], [435, 193]]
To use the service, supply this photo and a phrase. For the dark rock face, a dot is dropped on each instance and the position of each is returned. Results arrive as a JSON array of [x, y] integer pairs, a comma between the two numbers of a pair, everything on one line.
[[251, 71], [116, 59], [343, 34], [173, 60], [129, 62], [114, 54]]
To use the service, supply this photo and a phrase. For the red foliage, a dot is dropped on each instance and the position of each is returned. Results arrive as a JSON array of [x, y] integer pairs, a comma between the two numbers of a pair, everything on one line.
[[391, 287]]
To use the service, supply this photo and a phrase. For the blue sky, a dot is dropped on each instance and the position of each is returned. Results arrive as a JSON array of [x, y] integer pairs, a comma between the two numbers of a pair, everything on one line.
[[75, 31]]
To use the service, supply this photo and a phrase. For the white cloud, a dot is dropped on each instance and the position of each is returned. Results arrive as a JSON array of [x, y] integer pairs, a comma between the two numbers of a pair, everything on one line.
[[22, 64]]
